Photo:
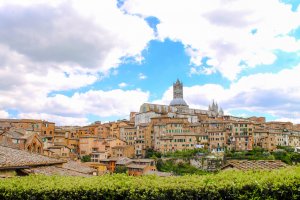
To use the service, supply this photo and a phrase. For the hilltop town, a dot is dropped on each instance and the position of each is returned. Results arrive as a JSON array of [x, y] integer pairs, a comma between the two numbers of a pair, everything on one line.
[[159, 128]]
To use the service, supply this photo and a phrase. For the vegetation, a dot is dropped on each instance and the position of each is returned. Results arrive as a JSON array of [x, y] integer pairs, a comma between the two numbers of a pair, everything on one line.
[[120, 169], [285, 154], [86, 158], [177, 168], [151, 153], [185, 154], [255, 154], [276, 184]]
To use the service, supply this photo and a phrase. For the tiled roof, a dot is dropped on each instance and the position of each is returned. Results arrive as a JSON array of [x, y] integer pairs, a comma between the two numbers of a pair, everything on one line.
[[124, 161], [162, 174], [143, 160], [254, 164], [78, 167], [14, 158], [121, 147], [6, 143], [134, 166], [54, 170]]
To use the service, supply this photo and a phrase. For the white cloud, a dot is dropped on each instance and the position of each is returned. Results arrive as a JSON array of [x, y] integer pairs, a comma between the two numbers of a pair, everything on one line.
[[118, 103], [121, 85], [50, 47], [4, 114], [230, 33], [142, 76], [294, 120], [59, 120], [75, 33], [276, 94]]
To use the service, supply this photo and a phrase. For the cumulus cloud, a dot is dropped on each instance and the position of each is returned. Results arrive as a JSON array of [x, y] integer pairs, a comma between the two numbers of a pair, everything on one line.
[[233, 34], [72, 32], [117, 103], [65, 110], [57, 119], [277, 94], [48, 48]]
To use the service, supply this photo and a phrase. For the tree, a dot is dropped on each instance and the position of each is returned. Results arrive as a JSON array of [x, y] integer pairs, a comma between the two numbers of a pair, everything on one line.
[[120, 169], [151, 153], [86, 158]]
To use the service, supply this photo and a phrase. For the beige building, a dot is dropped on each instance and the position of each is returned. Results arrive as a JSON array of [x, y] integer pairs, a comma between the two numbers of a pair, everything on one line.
[[217, 140], [294, 138], [123, 151], [240, 137], [22, 139]]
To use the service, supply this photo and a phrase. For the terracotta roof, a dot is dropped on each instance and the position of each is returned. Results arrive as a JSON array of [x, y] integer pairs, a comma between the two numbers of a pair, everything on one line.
[[162, 174], [143, 160], [14, 158], [54, 170], [124, 161], [254, 164], [121, 147], [78, 167], [134, 166], [59, 147]]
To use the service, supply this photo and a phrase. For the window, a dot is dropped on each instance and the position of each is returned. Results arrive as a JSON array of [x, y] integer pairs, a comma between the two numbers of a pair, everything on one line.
[[15, 141]]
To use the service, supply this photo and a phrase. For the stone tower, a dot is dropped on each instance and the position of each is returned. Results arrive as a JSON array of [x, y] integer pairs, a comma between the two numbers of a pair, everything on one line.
[[177, 90], [178, 100]]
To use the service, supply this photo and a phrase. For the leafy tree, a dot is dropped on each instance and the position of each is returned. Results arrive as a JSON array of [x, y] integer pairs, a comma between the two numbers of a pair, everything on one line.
[[281, 154], [185, 154], [295, 157], [286, 148], [86, 158], [151, 153], [178, 168], [120, 169]]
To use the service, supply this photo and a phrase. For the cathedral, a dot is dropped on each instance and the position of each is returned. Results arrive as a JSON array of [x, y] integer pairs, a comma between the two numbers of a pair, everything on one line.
[[178, 100], [178, 108]]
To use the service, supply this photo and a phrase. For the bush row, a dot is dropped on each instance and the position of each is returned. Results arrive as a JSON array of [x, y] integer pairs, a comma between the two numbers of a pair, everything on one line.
[[276, 184]]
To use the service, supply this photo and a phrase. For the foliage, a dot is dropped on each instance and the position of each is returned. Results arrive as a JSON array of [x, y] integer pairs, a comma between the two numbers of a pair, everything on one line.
[[185, 154], [285, 154], [282, 155], [120, 169], [250, 155], [295, 157], [286, 148], [276, 184], [86, 158], [151, 153], [178, 168]]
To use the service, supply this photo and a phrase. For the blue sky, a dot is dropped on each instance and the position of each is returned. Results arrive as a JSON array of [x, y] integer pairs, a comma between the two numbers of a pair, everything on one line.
[[102, 60]]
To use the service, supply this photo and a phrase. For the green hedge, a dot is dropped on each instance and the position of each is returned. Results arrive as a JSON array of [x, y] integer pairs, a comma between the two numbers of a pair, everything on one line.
[[277, 184]]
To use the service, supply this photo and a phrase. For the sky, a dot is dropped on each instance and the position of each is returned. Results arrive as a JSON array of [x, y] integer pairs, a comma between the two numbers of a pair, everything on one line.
[[74, 62]]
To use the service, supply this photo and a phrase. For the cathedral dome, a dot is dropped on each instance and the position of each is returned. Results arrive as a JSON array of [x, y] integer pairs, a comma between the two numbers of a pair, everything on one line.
[[178, 102]]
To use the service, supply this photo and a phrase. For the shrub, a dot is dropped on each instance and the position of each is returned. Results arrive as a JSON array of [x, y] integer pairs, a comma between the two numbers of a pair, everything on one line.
[[276, 184]]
